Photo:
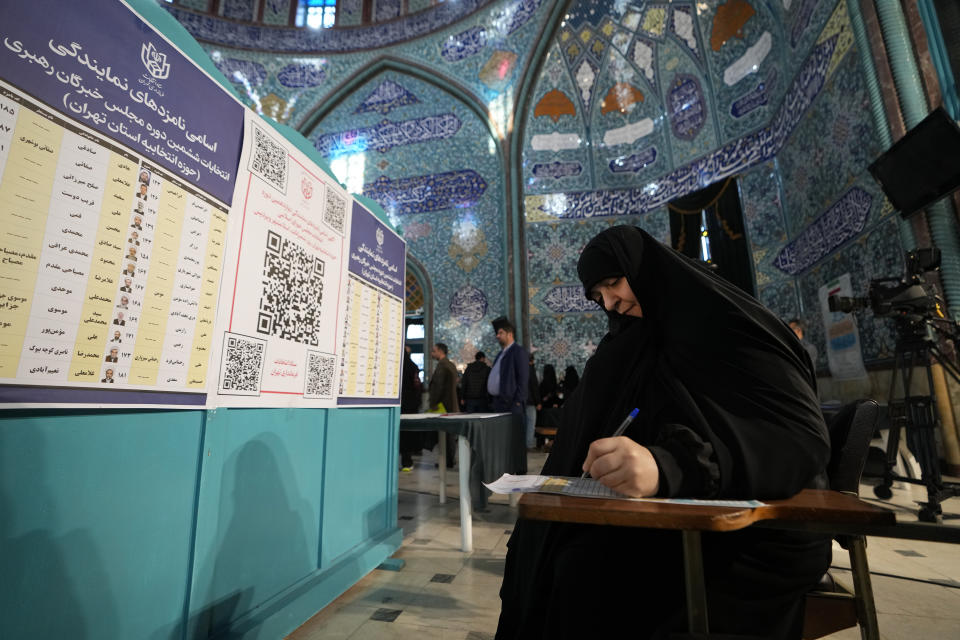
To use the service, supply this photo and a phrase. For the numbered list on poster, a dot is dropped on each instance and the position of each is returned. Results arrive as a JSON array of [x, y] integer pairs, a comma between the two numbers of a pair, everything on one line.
[[373, 313], [110, 266]]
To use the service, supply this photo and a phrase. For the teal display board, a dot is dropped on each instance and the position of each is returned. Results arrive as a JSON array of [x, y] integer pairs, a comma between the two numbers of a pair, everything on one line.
[[189, 523]]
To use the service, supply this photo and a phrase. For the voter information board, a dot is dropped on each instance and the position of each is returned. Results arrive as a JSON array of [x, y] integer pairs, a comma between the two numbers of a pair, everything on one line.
[[282, 292], [372, 325], [163, 246], [114, 199]]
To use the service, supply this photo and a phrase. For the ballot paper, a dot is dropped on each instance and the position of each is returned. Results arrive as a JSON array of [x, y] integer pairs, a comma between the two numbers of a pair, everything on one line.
[[591, 488]]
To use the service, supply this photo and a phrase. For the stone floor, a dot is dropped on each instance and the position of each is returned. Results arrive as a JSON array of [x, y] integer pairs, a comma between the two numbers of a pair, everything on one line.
[[442, 593]]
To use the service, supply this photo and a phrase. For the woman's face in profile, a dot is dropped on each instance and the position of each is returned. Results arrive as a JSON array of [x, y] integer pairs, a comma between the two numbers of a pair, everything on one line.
[[614, 294]]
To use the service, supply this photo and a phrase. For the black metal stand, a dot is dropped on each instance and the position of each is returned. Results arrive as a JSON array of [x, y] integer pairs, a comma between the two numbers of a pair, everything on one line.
[[917, 415]]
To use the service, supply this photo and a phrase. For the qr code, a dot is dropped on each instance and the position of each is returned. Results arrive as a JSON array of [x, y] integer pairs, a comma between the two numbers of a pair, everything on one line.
[[320, 369], [242, 365], [336, 211], [292, 292], [269, 160]]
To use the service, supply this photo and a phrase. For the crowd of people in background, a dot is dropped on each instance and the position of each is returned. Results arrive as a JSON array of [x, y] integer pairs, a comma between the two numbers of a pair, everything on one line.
[[509, 383]]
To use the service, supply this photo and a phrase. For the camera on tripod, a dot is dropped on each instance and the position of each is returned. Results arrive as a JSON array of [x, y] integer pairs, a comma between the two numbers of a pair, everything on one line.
[[910, 298], [918, 311]]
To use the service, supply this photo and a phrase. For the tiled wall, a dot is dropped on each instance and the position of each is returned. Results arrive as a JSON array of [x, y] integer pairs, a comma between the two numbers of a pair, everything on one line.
[[634, 104], [638, 105], [450, 213], [428, 157], [277, 11]]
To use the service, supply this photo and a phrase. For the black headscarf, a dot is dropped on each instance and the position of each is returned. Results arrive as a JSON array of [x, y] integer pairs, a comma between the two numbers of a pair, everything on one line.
[[727, 395], [548, 386]]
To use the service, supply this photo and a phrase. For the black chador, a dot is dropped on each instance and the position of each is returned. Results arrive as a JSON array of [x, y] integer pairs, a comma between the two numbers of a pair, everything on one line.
[[728, 409]]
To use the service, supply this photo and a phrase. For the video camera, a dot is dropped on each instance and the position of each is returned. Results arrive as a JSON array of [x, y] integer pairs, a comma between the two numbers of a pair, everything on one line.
[[909, 298]]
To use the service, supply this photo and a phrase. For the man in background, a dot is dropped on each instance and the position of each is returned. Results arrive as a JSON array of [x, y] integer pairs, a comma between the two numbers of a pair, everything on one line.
[[410, 391], [798, 326], [508, 382], [533, 405], [473, 385], [443, 391], [510, 374]]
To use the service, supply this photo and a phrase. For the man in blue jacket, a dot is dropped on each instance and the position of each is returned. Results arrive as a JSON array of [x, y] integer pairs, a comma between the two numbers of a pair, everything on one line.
[[507, 383]]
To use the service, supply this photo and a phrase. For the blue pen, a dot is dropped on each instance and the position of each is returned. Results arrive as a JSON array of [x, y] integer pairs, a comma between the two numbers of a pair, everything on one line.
[[619, 432]]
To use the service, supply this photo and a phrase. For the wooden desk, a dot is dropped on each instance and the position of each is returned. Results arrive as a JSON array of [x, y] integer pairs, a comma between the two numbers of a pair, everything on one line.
[[825, 511]]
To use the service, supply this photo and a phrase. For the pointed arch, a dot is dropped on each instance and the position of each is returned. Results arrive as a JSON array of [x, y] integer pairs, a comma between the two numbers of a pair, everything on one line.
[[389, 63], [483, 129], [415, 267], [517, 263]]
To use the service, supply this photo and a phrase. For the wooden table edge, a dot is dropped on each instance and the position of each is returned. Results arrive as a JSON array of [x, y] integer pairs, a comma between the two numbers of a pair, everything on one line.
[[824, 506]]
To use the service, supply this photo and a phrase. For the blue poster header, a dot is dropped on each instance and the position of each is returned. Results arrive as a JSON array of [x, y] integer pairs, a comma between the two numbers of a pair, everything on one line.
[[377, 254], [98, 63]]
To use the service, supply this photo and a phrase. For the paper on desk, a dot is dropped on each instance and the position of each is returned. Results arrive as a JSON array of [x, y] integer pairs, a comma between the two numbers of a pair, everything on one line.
[[590, 488], [587, 487]]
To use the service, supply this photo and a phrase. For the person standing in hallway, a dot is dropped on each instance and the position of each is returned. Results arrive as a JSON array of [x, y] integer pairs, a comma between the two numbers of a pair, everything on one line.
[[533, 405], [443, 384], [410, 392], [509, 376], [473, 385], [443, 391], [798, 327], [570, 381]]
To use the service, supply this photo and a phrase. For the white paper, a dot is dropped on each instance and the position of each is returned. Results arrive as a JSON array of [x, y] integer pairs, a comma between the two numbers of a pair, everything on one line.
[[591, 488]]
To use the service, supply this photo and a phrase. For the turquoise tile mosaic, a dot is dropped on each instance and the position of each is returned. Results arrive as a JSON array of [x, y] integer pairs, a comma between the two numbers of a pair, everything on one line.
[[716, 115], [277, 12], [419, 5], [264, 38], [634, 104], [349, 13], [238, 9], [781, 298], [762, 207], [555, 114], [566, 340], [294, 85], [630, 136], [564, 326], [434, 166], [831, 146], [196, 5], [746, 65]]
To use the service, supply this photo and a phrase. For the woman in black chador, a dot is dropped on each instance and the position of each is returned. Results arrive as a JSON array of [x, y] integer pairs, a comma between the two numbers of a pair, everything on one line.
[[728, 409]]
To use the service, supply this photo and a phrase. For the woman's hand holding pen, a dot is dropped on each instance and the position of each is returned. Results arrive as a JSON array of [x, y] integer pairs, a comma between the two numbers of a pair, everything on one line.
[[624, 466]]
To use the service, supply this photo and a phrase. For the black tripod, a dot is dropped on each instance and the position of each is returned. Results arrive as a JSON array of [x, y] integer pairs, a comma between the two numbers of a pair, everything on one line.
[[917, 415]]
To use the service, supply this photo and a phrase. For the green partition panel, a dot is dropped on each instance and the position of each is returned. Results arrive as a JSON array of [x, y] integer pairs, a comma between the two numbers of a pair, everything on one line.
[[189, 524], [96, 521]]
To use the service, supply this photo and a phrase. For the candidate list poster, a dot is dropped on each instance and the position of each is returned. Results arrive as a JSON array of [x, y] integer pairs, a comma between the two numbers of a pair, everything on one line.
[[277, 327], [111, 235], [372, 325]]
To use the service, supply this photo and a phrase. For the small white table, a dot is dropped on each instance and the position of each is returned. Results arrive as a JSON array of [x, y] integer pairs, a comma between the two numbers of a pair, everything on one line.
[[498, 444]]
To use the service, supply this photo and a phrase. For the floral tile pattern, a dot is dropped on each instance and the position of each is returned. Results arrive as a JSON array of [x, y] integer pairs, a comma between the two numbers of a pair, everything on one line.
[[831, 146], [276, 12], [450, 214], [566, 340], [635, 104], [209, 29]]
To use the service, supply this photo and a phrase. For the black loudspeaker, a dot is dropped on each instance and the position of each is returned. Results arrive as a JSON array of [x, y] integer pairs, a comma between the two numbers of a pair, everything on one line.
[[922, 166]]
